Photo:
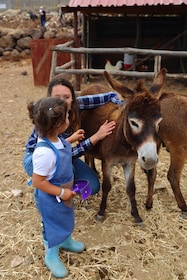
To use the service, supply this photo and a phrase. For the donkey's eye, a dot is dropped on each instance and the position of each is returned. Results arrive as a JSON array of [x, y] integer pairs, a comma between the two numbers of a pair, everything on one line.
[[133, 123]]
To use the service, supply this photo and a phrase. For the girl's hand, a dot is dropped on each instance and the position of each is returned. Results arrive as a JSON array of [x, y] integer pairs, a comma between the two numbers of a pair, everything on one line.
[[76, 136], [41, 183], [68, 194]]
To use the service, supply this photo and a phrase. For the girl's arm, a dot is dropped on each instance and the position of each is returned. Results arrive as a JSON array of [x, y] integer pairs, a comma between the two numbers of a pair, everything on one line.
[[41, 183], [76, 136], [96, 100]]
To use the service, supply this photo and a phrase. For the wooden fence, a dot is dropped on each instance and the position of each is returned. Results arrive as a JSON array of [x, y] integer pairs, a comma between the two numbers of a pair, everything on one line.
[[73, 67]]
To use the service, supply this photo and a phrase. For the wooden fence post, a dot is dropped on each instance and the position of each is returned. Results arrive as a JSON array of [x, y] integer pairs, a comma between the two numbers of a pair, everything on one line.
[[157, 64]]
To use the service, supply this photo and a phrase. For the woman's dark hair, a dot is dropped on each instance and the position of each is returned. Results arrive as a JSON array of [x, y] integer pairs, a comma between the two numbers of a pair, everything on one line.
[[47, 114], [74, 121]]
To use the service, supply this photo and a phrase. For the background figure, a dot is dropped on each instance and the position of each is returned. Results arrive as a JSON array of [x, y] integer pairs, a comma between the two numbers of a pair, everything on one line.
[[42, 16]]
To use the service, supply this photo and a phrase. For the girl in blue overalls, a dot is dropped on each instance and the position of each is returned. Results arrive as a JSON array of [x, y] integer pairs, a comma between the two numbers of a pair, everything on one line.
[[53, 179]]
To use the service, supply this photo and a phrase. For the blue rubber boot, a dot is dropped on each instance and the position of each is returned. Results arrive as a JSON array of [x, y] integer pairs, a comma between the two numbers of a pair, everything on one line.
[[53, 262], [72, 245]]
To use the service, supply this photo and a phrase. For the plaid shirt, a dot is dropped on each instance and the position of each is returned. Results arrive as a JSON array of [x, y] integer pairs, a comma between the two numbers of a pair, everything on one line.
[[96, 100], [84, 102]]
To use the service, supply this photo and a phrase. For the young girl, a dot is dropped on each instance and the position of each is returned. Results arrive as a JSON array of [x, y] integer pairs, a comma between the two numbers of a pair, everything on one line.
[[53, 178], [59, 87]]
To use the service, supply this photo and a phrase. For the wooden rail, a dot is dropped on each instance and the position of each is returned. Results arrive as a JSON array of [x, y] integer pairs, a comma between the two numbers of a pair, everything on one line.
[[69, 68]]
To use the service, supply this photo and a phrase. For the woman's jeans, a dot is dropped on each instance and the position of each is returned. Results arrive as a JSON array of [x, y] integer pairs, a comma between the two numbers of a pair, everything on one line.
[[83, 171]]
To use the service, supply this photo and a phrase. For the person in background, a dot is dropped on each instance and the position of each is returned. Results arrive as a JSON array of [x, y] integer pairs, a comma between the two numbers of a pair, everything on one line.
[[62, 88], [42, 13], [53, 178]]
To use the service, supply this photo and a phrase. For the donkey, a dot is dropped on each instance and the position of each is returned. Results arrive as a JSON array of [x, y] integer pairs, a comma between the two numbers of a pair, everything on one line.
[[135, 136], [173, 135]]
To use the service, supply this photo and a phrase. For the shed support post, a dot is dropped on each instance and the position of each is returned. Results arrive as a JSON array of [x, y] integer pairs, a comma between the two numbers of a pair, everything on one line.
[[76, 56], [53, 65]]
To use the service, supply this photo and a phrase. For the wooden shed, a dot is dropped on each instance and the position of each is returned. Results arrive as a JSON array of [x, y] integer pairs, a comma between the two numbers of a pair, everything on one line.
[[160, 25]]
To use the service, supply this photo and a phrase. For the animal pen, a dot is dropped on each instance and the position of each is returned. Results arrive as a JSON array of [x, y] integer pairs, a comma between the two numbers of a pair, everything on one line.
[[72, 68]]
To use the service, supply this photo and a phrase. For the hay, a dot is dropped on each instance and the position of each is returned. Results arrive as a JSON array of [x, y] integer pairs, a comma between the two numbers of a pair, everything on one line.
[[116, 249]]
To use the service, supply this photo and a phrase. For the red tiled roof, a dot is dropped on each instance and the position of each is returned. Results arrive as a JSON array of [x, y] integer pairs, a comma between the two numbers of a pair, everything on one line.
[[119, 3]]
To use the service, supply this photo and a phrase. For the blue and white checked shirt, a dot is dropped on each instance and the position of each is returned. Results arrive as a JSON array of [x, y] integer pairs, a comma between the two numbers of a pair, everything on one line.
[[96, 100]]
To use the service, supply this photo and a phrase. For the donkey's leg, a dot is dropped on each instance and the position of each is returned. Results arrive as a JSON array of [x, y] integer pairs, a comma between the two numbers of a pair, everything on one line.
[[151, 177], [129, 170], [90, 161], [177, 161], [106, 187]]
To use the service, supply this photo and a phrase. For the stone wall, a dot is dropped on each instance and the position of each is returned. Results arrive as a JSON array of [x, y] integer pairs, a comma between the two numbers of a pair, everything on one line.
[[15, 42]]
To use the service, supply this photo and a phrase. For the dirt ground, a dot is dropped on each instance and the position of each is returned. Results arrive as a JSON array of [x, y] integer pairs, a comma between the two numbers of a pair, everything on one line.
[[116, 249]]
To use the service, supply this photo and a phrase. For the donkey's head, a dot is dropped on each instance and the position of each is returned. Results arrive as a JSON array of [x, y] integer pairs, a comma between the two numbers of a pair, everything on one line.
[[142, 117]]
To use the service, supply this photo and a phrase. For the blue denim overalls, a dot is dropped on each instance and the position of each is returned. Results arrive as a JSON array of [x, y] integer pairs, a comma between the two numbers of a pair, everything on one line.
[[57, 217]]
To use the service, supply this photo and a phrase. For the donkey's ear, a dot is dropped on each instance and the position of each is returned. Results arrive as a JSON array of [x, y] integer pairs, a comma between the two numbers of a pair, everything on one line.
[[118, 86], [158, 83]]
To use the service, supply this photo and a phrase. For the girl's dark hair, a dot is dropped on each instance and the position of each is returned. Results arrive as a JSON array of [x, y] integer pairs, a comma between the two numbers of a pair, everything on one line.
[[74, 121], [47, 114]]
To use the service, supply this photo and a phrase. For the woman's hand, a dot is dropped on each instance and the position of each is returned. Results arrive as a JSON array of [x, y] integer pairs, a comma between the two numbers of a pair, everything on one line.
[[104, 130], [76, 136]]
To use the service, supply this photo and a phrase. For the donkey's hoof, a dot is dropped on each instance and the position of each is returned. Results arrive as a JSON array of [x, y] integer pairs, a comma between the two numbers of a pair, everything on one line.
[[138, 221], [148, 206], [184, 215], [99, 218], [140, 224]]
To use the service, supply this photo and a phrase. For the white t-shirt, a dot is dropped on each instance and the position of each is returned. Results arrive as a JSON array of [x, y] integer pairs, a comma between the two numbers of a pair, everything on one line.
[[44, 159]]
